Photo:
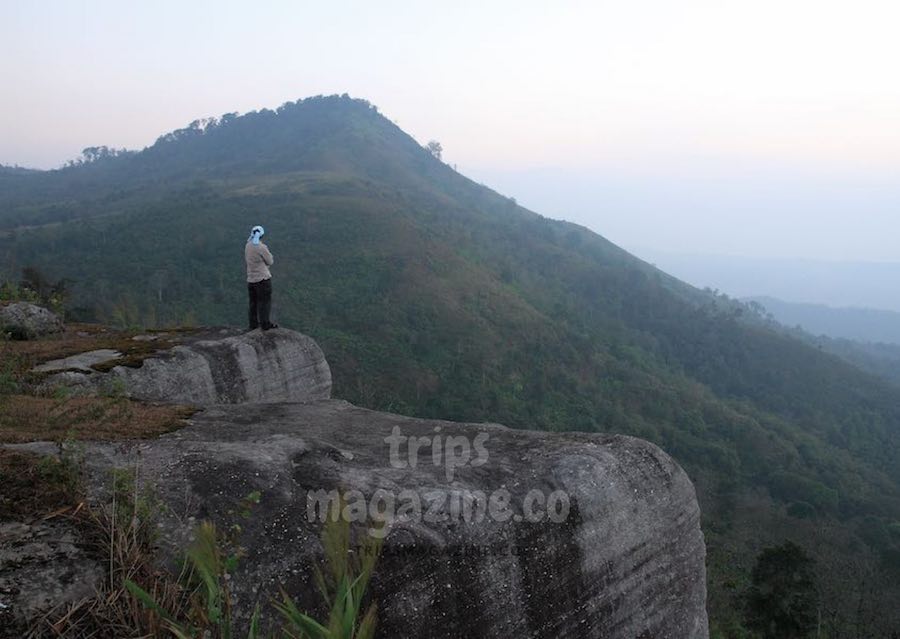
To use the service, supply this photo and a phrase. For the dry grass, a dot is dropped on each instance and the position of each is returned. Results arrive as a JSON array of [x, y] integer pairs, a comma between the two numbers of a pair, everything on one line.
[[34, 486], [120, 534], [126, 546], [25, 418]]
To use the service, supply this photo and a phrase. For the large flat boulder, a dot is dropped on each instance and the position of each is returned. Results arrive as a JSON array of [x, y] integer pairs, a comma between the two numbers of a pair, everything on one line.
[[626, 561], [80, 362], [216, 367]]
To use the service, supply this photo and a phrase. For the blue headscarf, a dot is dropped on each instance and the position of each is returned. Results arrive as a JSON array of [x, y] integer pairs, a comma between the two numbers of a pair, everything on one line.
[[255, 233]]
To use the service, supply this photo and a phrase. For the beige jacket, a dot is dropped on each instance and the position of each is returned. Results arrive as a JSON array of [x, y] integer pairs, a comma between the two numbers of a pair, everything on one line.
[[258, 261]]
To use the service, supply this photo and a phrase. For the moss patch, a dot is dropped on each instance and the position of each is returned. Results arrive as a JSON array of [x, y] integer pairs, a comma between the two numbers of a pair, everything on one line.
[[132, 360], [78, 338]]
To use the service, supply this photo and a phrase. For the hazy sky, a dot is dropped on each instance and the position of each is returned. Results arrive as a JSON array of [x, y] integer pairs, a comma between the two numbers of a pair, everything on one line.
[[765, 127]]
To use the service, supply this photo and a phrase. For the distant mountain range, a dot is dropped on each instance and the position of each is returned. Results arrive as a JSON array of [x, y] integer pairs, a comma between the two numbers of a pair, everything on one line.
[[862, 337], [832, 283], [435, 296], [860, 324]]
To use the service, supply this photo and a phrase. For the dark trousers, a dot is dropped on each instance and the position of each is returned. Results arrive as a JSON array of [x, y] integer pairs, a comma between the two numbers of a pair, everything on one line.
[[260, 303]]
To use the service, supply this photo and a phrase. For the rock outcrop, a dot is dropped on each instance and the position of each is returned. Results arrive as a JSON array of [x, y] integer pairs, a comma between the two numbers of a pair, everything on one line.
[[220, 367], [627, 561], [42, 566], [493, 532], [27, 321]]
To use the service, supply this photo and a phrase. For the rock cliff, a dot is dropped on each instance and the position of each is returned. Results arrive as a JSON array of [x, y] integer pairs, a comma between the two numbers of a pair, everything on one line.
[[495, 532], [211, 367]]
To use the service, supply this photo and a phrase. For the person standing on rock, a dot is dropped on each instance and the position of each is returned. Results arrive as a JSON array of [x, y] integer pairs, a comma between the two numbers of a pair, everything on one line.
[[259, 279]]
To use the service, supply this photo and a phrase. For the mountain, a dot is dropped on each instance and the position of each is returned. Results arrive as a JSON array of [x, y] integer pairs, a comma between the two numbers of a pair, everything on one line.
[[879, 359], [859, 324], [833, 283], [434, 296]]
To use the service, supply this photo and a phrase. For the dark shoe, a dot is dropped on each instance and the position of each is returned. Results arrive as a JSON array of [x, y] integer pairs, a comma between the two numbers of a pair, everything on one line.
[[269, 326]]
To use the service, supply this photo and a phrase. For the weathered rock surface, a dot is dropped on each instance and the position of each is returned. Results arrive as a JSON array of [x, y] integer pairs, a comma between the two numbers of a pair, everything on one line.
[[28, 320], [228, 367], [42, 566], [627, 562]]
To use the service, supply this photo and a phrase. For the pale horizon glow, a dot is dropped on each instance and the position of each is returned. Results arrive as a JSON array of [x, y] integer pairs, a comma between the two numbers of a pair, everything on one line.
[[768, 98]]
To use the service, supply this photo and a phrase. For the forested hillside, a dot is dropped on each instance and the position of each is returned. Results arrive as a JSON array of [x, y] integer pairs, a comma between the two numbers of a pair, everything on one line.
[[435, 296], [881, 359]]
